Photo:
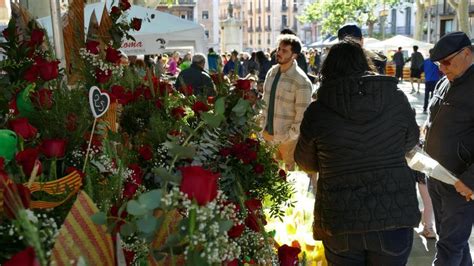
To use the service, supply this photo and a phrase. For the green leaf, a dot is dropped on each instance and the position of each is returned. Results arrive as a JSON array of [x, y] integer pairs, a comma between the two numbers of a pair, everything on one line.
[[150, 200], [241, 107], [194, 258], [166, 175], [127, 229], [219, 106], [225, 226], [99, 218], [147, 224], [135, 208], [181, 151], [213, 120]]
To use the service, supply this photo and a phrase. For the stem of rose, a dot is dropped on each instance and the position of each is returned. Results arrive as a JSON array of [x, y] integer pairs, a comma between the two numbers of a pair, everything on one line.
[[52, 170], [89, 146]]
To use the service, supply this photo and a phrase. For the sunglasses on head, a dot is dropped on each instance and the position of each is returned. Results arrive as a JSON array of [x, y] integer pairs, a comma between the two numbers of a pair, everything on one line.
[[447, 62]]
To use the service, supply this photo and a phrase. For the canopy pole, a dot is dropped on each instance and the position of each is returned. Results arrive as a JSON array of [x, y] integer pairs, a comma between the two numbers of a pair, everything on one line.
[[56, 24]]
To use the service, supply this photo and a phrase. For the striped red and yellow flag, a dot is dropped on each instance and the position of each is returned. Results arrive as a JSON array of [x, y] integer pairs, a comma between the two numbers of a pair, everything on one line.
[[79, 237], [72, 183]]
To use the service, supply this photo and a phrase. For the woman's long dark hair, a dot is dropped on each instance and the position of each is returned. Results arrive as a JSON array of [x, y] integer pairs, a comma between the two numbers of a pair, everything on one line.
[[345, 59]]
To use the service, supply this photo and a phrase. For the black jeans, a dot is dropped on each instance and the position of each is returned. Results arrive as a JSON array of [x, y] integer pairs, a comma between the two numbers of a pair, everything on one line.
[[454, 217], [429, 89], [399, 72], [388, 248]]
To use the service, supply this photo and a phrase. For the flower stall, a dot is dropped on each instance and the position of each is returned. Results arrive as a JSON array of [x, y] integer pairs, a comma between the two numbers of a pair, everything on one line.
[[101, 166]]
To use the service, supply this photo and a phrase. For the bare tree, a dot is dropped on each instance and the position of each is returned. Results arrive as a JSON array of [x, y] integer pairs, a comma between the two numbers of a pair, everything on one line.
[[462, 14]]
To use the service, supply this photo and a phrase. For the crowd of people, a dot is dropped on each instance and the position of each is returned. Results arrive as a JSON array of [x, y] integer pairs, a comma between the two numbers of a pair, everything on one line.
[[355, 131]]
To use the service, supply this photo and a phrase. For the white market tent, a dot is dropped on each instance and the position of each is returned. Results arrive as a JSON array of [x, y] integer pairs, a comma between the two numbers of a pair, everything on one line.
[[398, 41], [159, 32]]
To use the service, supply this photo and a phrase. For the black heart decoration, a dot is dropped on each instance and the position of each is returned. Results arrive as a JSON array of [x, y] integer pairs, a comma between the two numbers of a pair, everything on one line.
[[98, 101]]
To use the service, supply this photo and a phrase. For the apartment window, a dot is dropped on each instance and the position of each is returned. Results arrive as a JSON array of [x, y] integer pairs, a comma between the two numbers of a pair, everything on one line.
[[393, 18], [207, 33], [268, 21], [259, 4], [268, 41], [269, 4], [251, 23], [250, 6], [250, 41], [408, 20], [259, 42], [283, 3], [284, 21], [259, 22], [205, 14]]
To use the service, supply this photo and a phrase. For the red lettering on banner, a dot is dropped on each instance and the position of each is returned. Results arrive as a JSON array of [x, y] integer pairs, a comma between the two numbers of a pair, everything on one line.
[[132, 45]]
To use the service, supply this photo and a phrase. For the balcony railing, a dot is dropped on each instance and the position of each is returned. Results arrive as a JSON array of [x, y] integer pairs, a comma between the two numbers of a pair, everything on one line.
[[249, 29], [284, 8], [258, 29], [267, 9], [268, 28], [259, 10], [250, 11], [295, 8]]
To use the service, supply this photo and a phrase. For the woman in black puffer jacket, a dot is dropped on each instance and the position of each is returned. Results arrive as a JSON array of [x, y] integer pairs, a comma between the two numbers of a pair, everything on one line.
[[356, 135]]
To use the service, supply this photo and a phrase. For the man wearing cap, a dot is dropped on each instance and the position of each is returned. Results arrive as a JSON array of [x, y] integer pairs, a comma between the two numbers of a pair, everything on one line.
[[353, 32], [450, 141]]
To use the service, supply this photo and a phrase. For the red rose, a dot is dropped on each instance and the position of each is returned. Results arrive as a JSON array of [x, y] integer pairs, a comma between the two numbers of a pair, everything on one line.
[[243, 84], [5, 34], [146, 152], [282, 174], [37, 36], [13, 195], [236, 231], [54, 148], [178, 112], [251, 221], [232, 263], [129, 256], [102, 76], [31, 74], [186, 90], [43, 98], [253, 204], [251, 142], [129, 190], [224, 152], [199, 107], [12, 107], [158, 104], [49, 70], [115, 11], [211, 99], [92, 47], [71, 122], [137, 173], [199, 184], [288, 256], [112, 55], [28, 158], [258, 168], [23, 128], [124, 5], [114, 212], [217, 78], [136, 24], [27, 257], [174, 133]]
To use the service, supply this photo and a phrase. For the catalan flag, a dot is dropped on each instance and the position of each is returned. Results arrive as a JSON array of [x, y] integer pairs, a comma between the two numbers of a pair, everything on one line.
[[79, 237]]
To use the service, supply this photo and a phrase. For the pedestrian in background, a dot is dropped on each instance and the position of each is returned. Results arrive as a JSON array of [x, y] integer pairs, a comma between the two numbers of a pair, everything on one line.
[[399, 61], [356, 135], [450, 141], [416, 68], [431, 78], [287, 93]]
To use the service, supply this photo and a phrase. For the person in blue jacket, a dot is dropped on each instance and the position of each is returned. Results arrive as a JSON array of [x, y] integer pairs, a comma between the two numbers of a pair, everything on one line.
[[431, 78]]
